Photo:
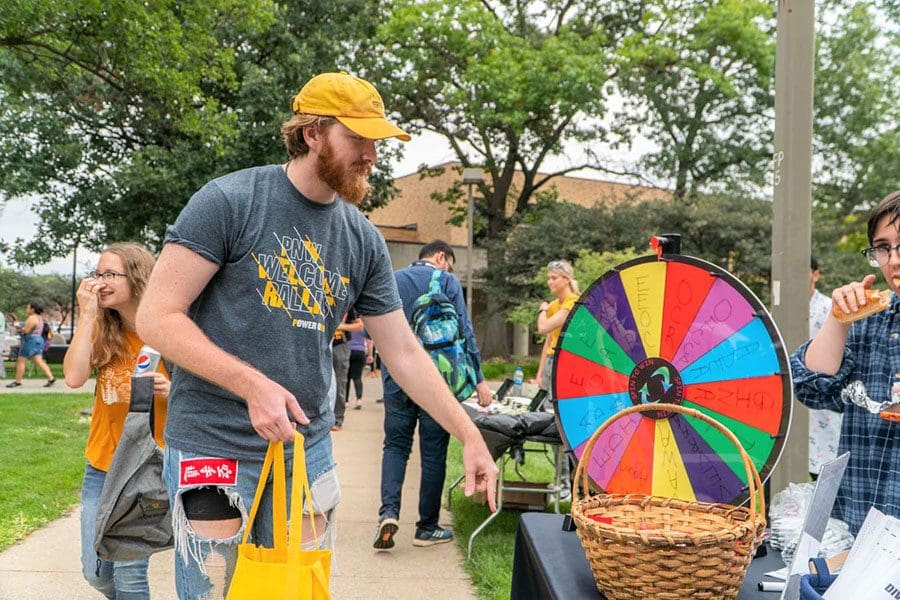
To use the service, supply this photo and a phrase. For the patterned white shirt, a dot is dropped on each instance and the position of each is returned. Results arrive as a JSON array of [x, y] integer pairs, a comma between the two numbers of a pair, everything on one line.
[[824, 425]]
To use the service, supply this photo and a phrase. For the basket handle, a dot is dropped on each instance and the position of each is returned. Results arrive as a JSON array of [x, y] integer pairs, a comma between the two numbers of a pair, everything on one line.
[[753, 482]]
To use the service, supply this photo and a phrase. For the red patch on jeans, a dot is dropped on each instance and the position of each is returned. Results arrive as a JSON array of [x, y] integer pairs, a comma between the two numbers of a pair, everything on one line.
[[207, 471]]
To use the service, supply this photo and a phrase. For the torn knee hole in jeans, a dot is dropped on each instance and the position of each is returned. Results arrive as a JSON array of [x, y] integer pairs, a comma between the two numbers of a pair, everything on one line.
[[324, 531], [189, 543]]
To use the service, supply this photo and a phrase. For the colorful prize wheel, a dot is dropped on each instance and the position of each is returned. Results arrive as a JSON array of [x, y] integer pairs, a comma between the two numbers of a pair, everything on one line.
[[677, 330]]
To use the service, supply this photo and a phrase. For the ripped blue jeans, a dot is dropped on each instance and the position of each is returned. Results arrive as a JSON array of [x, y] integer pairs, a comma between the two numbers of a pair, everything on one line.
[[204, 566]]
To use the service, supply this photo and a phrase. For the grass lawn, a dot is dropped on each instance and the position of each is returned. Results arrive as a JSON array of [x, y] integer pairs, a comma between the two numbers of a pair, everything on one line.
[[492, 553], [501, 368], [41, 459], [31, 371]]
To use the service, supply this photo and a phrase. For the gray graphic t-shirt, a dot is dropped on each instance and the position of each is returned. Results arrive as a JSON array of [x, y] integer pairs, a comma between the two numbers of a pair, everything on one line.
[[289, 269]]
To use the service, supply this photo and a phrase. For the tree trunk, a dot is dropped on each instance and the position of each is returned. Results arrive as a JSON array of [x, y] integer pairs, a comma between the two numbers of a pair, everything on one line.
[[496, 340]]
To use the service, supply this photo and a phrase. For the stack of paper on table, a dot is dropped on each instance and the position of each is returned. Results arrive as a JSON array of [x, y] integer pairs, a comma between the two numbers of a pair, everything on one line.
[[872, 569]]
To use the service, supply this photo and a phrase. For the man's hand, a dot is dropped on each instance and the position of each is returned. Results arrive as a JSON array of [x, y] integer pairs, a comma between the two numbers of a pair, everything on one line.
[[481, 471], [485, 396], [269, 405]]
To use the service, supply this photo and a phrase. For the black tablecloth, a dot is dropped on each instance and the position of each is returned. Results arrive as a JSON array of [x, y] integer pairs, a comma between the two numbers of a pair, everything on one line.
[[550, 563], [501, 432]]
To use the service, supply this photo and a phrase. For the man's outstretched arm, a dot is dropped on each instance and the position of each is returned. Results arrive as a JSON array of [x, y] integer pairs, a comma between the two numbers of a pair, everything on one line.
[[411, 367]]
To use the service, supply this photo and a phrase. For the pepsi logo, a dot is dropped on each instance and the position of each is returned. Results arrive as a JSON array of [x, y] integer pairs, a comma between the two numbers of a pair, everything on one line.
[[143, 361]]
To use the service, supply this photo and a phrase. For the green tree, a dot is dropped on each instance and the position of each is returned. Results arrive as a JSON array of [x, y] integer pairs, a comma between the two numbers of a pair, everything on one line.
[[115, 113], [698, 78], [856, 137], [507, 84], [733, 233], [18, 289]]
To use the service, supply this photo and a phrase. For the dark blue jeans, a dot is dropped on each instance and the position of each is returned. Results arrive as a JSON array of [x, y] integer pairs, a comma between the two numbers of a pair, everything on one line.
[[400, 417]]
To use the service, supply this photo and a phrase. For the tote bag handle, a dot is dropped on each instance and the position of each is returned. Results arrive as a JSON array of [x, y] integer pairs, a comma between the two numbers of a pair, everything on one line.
[[274, 455], [300, 475], [299, 489]]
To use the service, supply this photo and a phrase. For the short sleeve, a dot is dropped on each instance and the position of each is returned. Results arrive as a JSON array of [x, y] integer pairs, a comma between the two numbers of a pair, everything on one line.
[[204, 225], [378, 295]]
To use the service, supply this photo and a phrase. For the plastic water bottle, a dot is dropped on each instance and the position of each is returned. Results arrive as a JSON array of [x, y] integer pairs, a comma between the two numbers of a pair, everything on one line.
[[518, 378]]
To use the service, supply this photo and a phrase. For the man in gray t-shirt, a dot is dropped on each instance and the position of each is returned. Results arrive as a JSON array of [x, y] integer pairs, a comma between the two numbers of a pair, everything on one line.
[[255, 276]]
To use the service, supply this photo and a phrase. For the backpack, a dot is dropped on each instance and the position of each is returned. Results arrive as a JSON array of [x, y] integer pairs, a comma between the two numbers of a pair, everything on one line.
[[436, 323], [47, 334], [133, 518]]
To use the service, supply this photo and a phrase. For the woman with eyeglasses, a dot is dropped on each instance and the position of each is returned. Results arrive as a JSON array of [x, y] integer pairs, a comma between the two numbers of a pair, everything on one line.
[[32, 345], [551, 315], [105, 340]]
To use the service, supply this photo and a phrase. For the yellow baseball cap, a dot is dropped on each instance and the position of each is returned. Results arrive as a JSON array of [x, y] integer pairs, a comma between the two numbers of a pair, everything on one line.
[[353, 101]]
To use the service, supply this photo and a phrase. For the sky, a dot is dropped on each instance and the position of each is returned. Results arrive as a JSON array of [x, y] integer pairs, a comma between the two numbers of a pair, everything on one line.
[[18, 221]]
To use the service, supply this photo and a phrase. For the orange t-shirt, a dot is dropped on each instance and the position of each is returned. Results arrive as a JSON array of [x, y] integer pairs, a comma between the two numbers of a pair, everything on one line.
[[111, 402]]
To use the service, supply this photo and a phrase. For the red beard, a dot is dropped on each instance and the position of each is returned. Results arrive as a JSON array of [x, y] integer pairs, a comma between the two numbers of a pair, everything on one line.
[[350, 183]]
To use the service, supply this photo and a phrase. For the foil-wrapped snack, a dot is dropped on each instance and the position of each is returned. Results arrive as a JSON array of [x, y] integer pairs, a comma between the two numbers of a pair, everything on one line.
[[855, 393]]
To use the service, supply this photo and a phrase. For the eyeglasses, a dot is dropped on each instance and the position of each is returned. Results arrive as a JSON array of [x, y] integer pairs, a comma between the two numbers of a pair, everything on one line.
[[879, 255], [106, 276], [560, 265]]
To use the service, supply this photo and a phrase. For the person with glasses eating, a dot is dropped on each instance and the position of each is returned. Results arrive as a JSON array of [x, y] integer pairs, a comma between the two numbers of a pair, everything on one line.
[[852, 366]]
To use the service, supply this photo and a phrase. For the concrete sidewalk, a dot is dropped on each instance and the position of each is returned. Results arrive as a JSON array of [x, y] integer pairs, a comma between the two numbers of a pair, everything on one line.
[[36, 386], [47, 566]]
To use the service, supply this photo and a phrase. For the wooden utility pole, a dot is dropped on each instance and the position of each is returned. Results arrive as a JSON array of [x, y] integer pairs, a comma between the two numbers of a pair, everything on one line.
[[792, 207]]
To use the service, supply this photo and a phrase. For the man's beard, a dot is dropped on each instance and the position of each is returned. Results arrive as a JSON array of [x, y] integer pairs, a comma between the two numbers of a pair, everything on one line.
[[349, 182]]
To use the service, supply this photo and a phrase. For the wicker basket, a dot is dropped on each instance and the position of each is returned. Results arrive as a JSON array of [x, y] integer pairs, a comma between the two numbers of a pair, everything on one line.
[[662, 547]]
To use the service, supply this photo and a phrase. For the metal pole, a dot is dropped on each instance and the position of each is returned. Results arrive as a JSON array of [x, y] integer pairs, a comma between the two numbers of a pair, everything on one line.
[[471, 250], [72, 313], [791, 223]]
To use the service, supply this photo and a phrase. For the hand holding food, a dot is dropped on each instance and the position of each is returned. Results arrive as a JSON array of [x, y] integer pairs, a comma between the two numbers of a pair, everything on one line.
[[875, 302], [857, 300]]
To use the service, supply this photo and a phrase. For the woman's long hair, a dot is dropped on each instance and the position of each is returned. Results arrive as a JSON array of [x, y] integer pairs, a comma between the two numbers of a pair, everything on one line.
[[109, 335]]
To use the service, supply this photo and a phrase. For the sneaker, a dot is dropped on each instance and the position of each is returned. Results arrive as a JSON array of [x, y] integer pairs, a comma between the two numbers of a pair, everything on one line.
[[379, 401], [14, 384], [358, 405], [384, 533], [50, 382], [335, 427], [435, 536]]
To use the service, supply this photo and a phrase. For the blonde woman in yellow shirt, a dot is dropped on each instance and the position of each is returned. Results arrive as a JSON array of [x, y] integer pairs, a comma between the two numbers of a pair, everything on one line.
[[551, 316]]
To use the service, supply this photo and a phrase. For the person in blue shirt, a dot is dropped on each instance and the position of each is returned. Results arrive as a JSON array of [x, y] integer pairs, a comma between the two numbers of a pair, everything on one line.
[[401, 414], [861, 357]]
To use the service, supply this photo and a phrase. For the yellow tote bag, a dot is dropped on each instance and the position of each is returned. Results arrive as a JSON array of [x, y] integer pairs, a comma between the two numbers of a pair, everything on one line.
[[285, 571]]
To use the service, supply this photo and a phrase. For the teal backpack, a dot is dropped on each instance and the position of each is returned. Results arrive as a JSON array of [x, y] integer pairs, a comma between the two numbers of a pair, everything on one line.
[[435, 322]]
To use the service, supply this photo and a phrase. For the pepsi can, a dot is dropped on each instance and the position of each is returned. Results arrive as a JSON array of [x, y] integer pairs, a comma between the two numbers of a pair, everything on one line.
[[147, 361]]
